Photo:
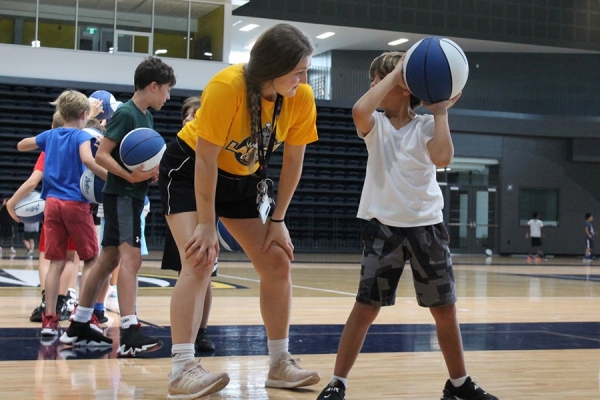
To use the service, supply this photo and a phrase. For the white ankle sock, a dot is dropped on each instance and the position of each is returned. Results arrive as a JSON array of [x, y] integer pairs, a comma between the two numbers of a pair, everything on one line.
[[459, 382], [128, 320], [276, 349], [181, 353], [339, 378], [83, 314]]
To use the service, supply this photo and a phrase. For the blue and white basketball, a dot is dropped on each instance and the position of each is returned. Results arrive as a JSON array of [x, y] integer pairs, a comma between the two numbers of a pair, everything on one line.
[[142, 146], [109, 103], [97, 137], [226, 241], [30, 208], [435, 69], [91, 186]]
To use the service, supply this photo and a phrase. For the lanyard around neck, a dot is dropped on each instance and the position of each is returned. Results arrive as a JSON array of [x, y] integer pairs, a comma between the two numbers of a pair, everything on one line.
[[264, 156]]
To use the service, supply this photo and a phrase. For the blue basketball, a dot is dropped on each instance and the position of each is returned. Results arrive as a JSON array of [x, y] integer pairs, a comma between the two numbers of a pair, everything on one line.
[[91, 186], [226, 241], [97, 137], [109, 103], [30, 208], [142, 146], [435, 69]]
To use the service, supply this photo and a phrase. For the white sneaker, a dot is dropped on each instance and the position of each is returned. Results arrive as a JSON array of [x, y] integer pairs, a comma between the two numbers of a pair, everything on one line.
[[288, 374], [71, 299], [13, 251], [195, 382]]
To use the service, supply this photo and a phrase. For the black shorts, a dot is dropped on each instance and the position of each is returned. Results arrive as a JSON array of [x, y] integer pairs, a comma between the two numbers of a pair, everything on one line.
[[30, 235], [235, 196], [122, 216], [385, 253], [536, 241]]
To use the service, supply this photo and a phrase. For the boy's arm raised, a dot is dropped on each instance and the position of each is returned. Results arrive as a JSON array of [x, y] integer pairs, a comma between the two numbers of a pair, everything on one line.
[[363, 109], [27, 144], [441, 149]]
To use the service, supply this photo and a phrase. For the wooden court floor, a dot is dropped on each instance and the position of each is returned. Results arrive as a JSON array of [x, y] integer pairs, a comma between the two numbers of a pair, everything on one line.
[[530, 330]]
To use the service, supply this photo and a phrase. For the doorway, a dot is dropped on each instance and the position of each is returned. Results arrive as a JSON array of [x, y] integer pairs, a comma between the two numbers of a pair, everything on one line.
[[471, 204], [472, 221]]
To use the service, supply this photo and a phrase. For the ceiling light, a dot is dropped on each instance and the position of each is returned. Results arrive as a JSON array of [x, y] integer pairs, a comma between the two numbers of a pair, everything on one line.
[[397, 42], [248, 27], [239, 21], [325, 35], [249, 46], [160, 51]]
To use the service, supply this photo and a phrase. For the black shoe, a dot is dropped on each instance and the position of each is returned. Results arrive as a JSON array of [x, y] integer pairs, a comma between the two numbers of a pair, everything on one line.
[[36, 315], [334, 391], [101, 317], [81, 334], [468, 391], [203, 343], [133, 341]]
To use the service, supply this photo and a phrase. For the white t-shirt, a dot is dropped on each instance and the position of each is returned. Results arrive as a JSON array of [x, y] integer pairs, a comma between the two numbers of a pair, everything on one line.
[[535, 227], [400, 186]]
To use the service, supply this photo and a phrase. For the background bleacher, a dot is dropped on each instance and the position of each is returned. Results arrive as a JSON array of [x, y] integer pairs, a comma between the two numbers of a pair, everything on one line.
[[321, 216]]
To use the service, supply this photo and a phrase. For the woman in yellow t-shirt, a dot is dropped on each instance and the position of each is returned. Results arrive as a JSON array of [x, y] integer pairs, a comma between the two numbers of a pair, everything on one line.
[[217, 167]]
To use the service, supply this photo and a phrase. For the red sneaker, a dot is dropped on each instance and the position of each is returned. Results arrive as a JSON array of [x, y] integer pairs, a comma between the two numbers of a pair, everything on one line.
[[50, 325]]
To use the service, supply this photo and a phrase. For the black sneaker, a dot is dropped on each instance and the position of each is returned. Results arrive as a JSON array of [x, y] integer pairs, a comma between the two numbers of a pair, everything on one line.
[[100, 316], [36, 315], [81, 334], [334, 391], [133, 342], [468, 391], [203, 343]]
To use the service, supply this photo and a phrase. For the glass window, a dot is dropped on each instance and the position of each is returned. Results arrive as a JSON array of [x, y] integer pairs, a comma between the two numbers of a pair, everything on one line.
[[134, 15], [56, 24], [171, 28], [471, 171], [206, 31], [17, 22], [96, 25], [543, 201]]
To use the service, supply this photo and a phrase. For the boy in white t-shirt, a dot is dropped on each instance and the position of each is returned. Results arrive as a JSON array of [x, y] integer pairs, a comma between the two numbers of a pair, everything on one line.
[[535, 233], [403, 203]]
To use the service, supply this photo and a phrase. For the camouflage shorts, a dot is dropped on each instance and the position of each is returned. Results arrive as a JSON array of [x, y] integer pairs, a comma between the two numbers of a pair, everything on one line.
[[386, 250]]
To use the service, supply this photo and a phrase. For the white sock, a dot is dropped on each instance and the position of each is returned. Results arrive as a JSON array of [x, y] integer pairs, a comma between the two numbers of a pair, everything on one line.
[[459, 382], [339, 378], [83, 314], [128, 320], [181, 353], [276, 349]]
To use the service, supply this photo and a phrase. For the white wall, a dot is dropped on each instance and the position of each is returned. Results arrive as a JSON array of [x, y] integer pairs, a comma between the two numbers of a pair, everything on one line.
[[93, 67]]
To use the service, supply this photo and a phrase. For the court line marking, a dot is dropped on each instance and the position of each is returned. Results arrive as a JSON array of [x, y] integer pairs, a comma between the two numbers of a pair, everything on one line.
[[293, 286]]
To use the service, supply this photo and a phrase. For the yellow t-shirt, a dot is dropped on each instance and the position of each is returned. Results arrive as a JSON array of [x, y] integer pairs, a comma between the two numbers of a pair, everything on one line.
[[224, 119]]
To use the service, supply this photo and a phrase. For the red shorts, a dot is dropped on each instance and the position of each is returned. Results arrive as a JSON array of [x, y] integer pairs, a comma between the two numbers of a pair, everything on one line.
[[42, 245], [64, 219]]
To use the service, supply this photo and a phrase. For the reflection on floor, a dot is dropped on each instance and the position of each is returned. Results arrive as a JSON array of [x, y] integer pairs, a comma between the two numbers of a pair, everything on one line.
[[25, 343]]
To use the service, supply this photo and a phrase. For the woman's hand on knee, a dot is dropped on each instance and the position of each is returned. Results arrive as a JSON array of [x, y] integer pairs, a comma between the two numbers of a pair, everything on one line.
[[203, 245], [278, 233]]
